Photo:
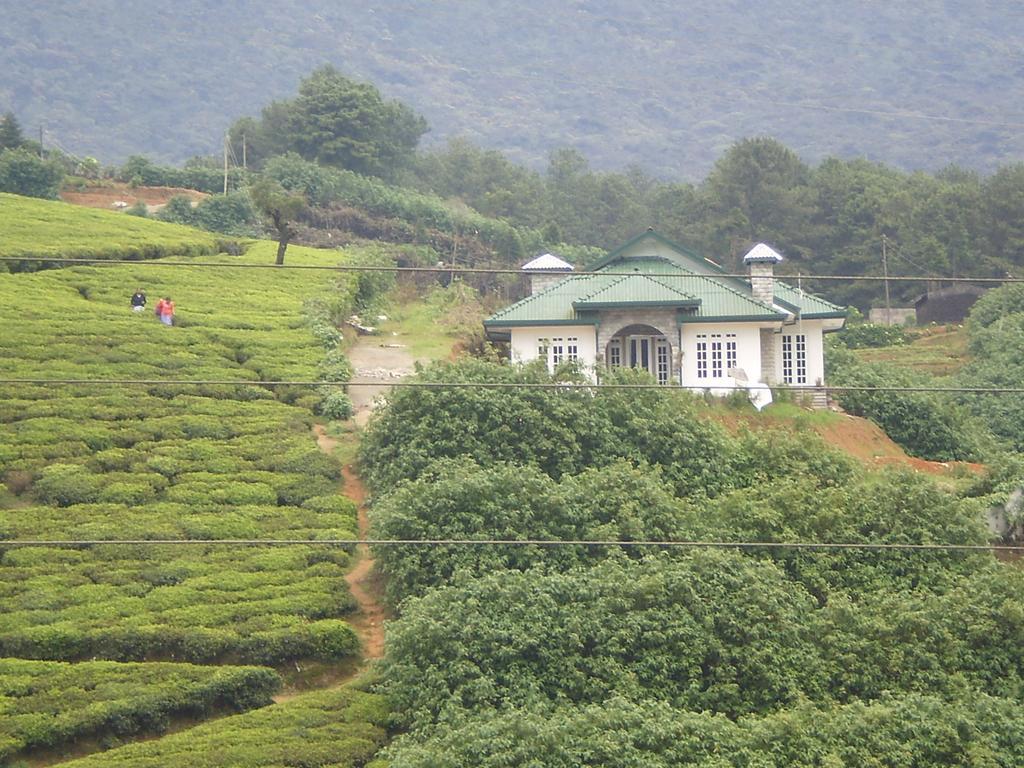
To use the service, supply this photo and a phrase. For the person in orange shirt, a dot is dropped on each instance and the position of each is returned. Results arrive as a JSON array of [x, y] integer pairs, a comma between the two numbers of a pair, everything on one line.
[[165, 308]]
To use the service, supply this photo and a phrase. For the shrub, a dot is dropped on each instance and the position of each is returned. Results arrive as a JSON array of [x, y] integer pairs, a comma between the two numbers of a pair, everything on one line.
[[336, 406], [864, 335], [66, 484]]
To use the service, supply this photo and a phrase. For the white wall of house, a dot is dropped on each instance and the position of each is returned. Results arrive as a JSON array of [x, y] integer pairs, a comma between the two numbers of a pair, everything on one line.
[[806, 354], [527, 342], [714, 363]]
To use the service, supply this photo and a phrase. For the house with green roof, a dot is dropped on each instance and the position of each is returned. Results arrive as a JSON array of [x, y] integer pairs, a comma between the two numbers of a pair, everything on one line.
[[655, 305]]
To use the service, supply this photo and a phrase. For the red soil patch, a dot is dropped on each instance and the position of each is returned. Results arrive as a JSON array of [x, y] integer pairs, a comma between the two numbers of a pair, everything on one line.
[[865, 440], [108, 196], [853, 435]]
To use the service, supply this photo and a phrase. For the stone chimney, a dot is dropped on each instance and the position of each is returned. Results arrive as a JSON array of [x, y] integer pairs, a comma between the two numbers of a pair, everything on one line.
[[544, 271], [761, 259]]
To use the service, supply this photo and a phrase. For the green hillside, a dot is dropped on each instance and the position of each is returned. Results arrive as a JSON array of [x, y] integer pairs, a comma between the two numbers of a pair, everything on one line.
[[664, 86], [165, 461], [44, 228]]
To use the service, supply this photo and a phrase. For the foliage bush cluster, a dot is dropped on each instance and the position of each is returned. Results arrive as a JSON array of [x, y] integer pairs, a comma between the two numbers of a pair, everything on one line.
[[199, 176], [458, 499], [911, 731], [710, 631], [343, 728], [231, 214], [24, 172], [323, 186], [51, 704], [569, 429], [869, 335], [995, 331], [805, 644]]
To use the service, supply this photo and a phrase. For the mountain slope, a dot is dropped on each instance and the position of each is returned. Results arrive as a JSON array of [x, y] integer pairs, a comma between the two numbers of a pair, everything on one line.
[[653, 83]]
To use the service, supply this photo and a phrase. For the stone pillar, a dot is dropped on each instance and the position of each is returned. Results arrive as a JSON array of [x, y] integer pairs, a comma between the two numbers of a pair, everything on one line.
[[762, 281], [768, 356]]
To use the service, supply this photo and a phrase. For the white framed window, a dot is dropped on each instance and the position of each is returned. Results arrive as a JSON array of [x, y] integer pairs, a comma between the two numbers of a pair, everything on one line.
[[716, 355], [730, 351], [794, 358], [615, 353], [572, 349], [702, 356], [662, 359], [557, 351]]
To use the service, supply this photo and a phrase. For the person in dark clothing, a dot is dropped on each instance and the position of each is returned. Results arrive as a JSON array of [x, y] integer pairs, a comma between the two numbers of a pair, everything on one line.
[[138, 300]]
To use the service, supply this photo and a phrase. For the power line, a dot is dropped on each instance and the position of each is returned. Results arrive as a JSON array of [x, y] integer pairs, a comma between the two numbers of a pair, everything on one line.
[[481, 270], [560, 386], [799, 545]]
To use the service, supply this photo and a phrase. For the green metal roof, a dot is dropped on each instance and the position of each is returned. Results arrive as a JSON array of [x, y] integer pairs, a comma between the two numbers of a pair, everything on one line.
[[636, 290], [658, 281], [807, 303]]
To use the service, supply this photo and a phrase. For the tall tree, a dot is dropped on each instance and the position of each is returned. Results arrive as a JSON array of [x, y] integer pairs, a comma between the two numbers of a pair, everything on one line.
[[282, 207], [335, 121], [10, 132]]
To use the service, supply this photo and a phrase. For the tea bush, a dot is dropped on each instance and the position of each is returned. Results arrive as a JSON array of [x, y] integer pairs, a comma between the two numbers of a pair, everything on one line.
[[342, 728], [51, 704]]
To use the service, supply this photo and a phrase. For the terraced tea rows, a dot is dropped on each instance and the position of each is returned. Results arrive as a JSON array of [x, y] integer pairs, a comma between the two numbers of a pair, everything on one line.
[[48, 704], [31, 228], [107, 462]]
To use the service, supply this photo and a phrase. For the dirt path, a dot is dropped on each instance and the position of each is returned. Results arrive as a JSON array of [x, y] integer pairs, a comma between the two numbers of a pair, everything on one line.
[[366, 588], [378, 364]]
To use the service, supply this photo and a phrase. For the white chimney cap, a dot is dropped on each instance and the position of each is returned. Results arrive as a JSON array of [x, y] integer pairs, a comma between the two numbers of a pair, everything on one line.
[[761, 254], [547, 263]]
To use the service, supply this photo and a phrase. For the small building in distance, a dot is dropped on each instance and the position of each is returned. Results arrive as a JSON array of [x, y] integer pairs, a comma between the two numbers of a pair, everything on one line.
[[655, 305], [892, 316], [947, 305]]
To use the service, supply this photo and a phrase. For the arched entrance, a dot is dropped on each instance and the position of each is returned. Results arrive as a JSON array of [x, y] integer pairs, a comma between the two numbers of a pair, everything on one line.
[[643, 347]]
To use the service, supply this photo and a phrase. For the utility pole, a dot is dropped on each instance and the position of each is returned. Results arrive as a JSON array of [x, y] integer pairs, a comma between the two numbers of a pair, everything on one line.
[[244, 165], [885, 273], [225, 163]]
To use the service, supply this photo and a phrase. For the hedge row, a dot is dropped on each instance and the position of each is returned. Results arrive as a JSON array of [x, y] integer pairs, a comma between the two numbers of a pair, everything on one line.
[[52, 704], [340, 728]]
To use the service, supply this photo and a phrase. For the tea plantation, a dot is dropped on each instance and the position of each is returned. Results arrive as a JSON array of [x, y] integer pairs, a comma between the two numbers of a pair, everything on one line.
[[339, 728], [44, 229], [49, 704], [166, 461]]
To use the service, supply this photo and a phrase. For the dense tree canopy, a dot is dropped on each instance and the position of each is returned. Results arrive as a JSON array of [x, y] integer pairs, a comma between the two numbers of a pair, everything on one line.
[[25, 173], [337, 122]]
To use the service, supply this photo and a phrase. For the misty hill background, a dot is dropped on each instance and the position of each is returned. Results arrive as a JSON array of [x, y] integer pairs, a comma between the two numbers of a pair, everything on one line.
[[664, 85]]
